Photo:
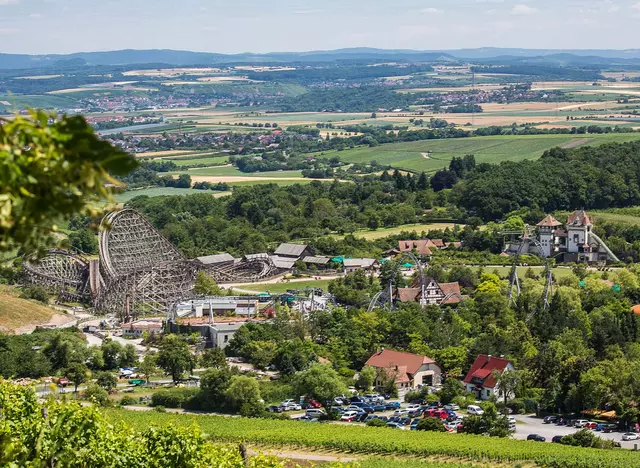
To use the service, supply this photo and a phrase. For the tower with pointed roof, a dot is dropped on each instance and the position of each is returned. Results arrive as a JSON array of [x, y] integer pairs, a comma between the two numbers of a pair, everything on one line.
[[578, 229], [546, 235]]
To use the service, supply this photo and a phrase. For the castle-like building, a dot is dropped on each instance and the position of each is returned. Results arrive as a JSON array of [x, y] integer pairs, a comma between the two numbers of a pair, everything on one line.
[[572, 242]]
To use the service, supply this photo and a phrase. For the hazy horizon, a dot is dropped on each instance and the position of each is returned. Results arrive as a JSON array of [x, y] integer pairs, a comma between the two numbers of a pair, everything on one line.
[[67, 26]]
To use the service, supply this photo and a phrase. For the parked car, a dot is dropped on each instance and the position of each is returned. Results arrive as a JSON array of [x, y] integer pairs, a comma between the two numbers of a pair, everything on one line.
[[451, 426], [536, 438], [475, 410], [417, 412], [315, 413], [401, 412], [307, 419], [391, 405], [434, 404], [600, 427], [436, 413], [591, 425], [561, 422], [413, 407], [313, 404], [556, 439], [630, 436], [356, 399], [374, 397], [610, 428], [380, 407], [393, 419], [550, 419], [349, 415], [368, 409], [414, 424], [361, 417], [580, 423], [405, 421], [570, 422], [338, 401], [395, 425], [275, 409], [290, 405], [451, 407]]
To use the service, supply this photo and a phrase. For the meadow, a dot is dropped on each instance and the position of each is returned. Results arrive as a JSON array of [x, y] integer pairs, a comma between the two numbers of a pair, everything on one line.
[[231, 171], [16, 312], [163, 191], [431, 155], [280, 288]]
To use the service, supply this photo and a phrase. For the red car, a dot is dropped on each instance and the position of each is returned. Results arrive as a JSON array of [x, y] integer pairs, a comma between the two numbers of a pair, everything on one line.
[[313, 404], [590, 425], [436, 413]]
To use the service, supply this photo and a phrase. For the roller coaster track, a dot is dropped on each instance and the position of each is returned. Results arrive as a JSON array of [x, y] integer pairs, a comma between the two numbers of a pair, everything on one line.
[[384, 298]]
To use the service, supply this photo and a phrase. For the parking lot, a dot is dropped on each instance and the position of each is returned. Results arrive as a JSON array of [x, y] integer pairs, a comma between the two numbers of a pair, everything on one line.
[[528, 425]]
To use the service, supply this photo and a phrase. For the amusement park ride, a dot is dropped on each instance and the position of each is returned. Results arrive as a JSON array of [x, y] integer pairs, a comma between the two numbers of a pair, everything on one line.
[[138, 270]]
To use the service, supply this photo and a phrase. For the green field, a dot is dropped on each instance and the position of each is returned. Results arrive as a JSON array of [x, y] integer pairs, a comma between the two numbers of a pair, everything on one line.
[[160, 191], [493, 149], [231, 171], [392, 231], [279, 288], [211, 160], [447, 447], [281, 183], [538, 270], [44, 101]]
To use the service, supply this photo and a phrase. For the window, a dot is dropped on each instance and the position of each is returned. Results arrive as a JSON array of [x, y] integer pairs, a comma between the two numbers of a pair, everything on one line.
[[427, 380], [226, 338], [576, 238]]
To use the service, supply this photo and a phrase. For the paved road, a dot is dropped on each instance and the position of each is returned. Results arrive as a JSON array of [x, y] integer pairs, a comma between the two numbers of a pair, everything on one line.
[[528, 425]]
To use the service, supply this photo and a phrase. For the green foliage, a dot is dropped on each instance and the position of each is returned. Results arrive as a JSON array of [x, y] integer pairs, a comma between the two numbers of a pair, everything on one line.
[[430, 424], [174, 356], [205, 285], [366, 377], [320, 382], [586, 438], [376, 423], [176, 398], [58, 160], [35, 292], [77, 372], [127, 400], [107, 380], [67, 434], [84, 241], [96, 394], [243, 394], [213, 357]]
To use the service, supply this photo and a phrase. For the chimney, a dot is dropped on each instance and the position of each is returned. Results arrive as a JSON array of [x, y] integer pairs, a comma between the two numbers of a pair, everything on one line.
[[488, 357]]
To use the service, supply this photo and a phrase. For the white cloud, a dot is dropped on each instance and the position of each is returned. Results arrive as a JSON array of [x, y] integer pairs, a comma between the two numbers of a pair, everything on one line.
[[636, 6], [431, 11], [35, 15], [8, 2], [523, 10], [8, 31], [613, 9], [489, 1]]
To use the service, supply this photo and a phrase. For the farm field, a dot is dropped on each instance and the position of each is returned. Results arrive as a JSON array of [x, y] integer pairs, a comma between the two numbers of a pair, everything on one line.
[[231, 171], [162, 191], [383, 441], [431, 155], [212, 160], [17, 313], [630, 215]]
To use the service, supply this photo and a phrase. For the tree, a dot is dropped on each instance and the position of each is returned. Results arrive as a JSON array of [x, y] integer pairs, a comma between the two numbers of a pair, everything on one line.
[[78, 373], [96, 394], [213, 385], [423, 182], [244, 395], [128, 356], [366, 378], [430, 424], [260, 353], [107, 380], [320, 382], [214, 357], [53, 168], [206, 286], [174, 356], [507, 383], [84, 241], [110, 352], [148, 366]]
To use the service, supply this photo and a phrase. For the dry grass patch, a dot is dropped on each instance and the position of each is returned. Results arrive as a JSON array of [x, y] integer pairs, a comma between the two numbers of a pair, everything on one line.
[[17, 314]]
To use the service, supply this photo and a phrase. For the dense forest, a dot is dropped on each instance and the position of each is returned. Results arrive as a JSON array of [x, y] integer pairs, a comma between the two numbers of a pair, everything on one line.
[[607, 176]]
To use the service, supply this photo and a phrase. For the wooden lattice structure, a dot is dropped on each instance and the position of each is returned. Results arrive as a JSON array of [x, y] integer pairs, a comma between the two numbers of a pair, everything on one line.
[[138, 272]]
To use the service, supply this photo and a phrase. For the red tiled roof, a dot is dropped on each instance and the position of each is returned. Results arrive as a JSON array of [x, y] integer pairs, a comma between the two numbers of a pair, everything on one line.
[[579, 218], [452, 300], [549, 221], [421, 246], [483, 368], [438, 243], [636, 309], [388, 358]]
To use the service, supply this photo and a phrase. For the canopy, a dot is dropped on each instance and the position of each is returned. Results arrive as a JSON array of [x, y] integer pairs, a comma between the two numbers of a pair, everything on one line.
[[408, 265]]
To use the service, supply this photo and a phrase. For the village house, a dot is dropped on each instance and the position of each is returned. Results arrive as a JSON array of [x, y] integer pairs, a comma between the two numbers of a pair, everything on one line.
[[409, 370], [481, 378], [434, 293], [135, 329], [293, 251], [354, 264]]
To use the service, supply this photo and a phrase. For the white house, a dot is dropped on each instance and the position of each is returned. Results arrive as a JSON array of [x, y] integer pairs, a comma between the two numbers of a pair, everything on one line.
[[481, 378]]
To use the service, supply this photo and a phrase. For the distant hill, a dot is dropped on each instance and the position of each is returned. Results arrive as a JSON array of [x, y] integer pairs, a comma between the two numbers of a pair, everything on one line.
[[573, 57]]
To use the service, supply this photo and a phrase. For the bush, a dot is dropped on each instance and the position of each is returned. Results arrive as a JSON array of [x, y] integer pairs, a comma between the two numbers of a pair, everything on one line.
[[128, 400], [176, 398], [586, 438], [37, 293], [376, 423], [96, 394], [430, 424]]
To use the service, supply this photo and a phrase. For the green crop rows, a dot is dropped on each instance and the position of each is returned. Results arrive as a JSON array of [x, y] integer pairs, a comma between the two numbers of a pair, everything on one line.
[[381, 441]]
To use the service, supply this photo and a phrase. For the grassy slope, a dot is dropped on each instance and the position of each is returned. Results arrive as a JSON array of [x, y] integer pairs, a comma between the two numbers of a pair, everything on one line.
[[160, 191], [227, 171], [392, 231], [16, 312], [408, 155]]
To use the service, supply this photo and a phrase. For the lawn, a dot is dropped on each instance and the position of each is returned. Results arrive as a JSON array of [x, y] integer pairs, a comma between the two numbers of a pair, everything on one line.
[[538, 270], [160, 191], [231, 171], [280, 288], [212, 160], [392, 231], [431, 155], [16, 312]]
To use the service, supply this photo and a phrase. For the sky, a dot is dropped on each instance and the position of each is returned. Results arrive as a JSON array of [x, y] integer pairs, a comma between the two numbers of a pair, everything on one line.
[[234, 26]]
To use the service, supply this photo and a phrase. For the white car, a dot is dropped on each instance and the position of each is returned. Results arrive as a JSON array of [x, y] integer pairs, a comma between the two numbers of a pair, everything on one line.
[[352, 408], [290, 405], [401, 412], [451, 407], [630, 436], [476, 410], [413, 407], [580, 423], [349, 415]]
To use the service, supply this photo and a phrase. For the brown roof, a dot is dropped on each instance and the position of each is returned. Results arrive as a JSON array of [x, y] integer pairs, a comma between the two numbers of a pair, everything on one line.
[[408, 294], [421, 246], [636, 309], [388, 358], [449, 288], [438, 243], [483, 368], [549, 221], [579, 218]]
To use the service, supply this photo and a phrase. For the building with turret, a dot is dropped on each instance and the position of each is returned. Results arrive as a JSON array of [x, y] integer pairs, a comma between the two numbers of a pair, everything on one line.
[[574, 241]]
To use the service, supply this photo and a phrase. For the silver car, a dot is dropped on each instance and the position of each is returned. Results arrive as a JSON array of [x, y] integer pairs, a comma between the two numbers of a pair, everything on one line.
[[630, 436]]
